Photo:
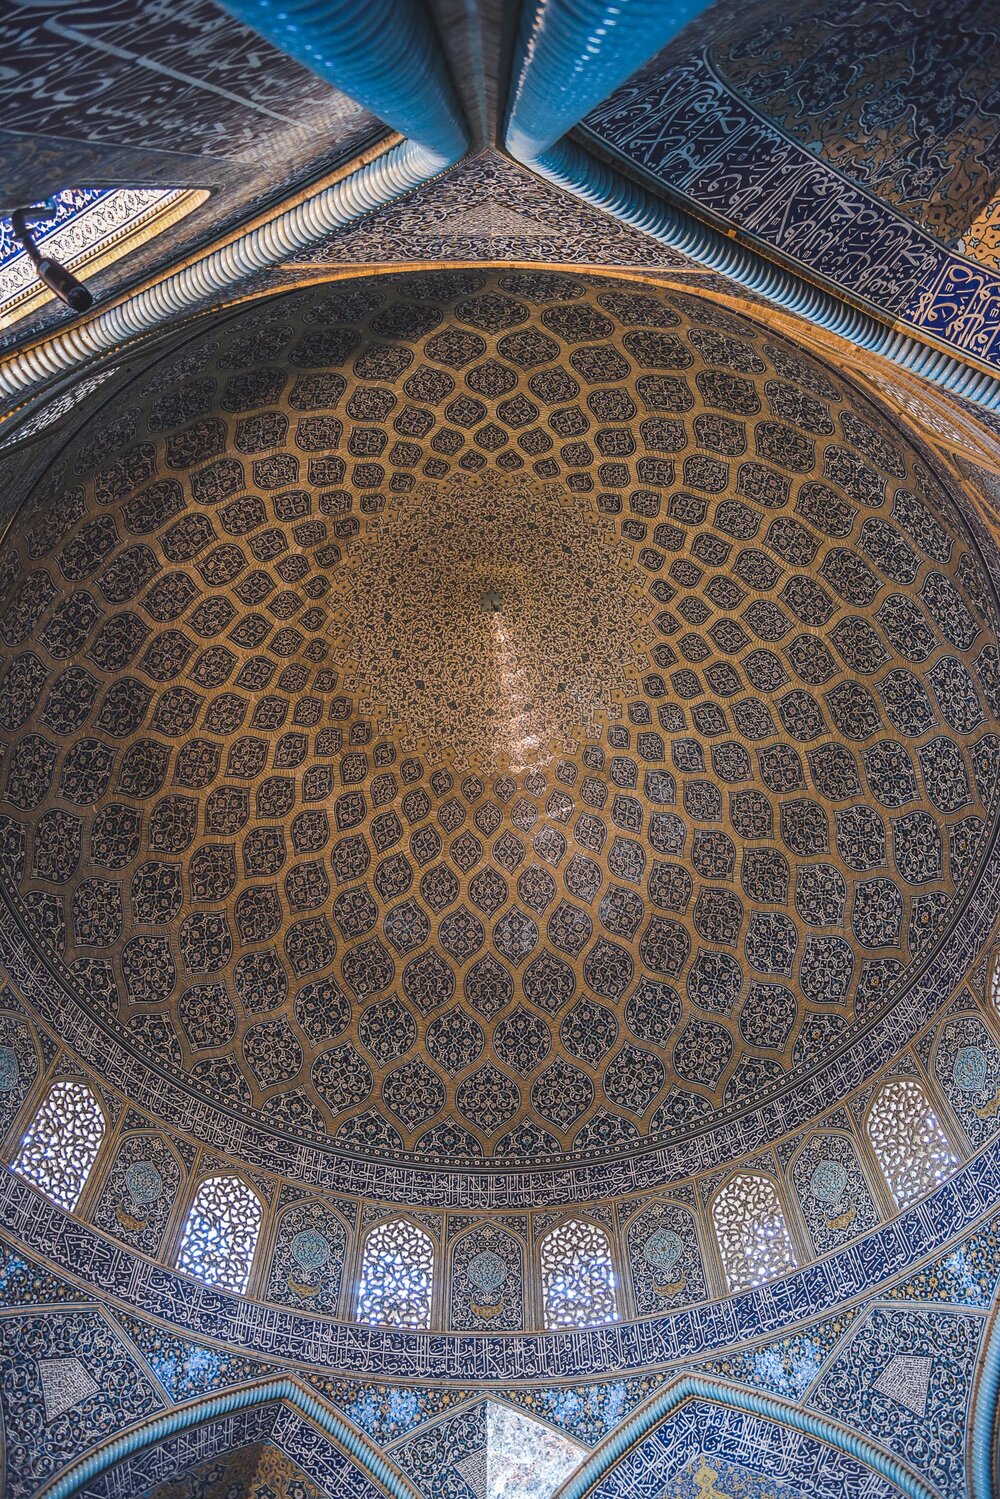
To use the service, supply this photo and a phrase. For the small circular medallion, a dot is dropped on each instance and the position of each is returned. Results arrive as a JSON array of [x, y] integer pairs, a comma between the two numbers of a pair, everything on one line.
[[487, 1271], [144, 1182], [828, 1181], [310, 1249], [663, 1248], [969, 1069], [9, 1070]]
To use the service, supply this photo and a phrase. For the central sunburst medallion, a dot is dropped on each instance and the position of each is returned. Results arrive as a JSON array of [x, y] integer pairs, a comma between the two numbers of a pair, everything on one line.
[[493, 620]]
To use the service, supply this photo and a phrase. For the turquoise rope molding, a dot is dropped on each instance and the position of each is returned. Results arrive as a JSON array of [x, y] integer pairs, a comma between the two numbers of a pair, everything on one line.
[[695, 1387], [567, 166], [984, 1458], [384, 54], [244, 1397], [571, 54], [222, 272], [73, 1479]]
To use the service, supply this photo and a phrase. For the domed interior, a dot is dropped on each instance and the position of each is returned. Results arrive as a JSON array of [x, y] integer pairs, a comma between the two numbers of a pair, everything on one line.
[[499, 751], [493, 717]]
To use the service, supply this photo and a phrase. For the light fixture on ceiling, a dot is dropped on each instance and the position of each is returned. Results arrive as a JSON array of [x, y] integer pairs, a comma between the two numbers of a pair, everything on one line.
[[55, 276], [490, 600]]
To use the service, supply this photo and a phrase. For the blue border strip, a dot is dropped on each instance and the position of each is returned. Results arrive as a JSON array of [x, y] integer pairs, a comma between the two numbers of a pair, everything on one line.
[[571, 55], [569, 167], [72, 1479], [983, 1454], [384, 54], [692, 1386], [198, 286], [595, 1467], [33, 1226]]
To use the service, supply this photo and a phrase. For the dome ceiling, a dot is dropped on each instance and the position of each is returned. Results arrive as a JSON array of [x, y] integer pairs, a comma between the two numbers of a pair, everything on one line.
[[490, 619], [492, 715]]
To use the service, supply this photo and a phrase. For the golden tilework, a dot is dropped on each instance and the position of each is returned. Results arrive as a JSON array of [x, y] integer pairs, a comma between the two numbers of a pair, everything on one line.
[[490, 620], [259, 814], [256, 1471]]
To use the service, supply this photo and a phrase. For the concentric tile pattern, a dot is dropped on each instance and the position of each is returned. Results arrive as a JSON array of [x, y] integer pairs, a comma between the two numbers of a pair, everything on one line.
[[490, 618], [744, 670]]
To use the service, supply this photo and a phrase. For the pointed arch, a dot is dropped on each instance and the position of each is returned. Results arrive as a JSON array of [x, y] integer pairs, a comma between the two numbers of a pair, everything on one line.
[[751, 1231], [60, 1146], [486, 1289], [397, 1275], [983, 1451], [139, 1185], [624, 1442], [834, 1186], [346, 1437], [308, 1258], [908, 1141], [663, 1256], [221, 1231], [964, 1063], [20, 1064], [579, 1283]]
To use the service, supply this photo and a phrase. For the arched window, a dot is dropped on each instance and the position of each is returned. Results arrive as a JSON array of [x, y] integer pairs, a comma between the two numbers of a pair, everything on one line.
[[397, 1276], [62, 1143], [220, 1234], [750, 1229], [578, 1276], [909, 1143]]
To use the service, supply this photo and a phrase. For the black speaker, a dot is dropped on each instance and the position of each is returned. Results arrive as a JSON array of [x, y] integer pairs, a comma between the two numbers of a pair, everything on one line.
[[55, 276]]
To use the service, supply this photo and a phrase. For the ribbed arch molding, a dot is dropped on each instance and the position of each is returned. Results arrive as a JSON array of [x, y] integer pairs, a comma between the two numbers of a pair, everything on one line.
[[567, 166], [358, 1455], [983, 1440], [384, 54], [629, 1454], [571, 56], [403, 166]]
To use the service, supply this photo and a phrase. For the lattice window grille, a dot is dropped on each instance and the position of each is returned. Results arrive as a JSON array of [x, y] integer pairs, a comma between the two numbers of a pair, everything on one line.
[[909, 1143], [397, 1276], [578, 1276], [221, 1232], [751, 1232], [62, 1142]]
